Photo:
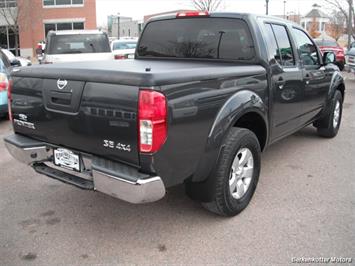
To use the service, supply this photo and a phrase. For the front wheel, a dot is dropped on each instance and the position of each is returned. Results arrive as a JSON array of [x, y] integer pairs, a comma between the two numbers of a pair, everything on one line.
[[237, 173], [328, 126]]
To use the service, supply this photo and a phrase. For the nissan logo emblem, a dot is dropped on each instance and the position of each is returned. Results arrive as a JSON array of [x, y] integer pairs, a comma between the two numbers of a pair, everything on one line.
[[61, 84]]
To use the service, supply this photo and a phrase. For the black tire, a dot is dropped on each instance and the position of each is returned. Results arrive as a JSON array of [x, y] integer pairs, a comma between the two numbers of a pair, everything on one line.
[[224, 203], [325, 126]]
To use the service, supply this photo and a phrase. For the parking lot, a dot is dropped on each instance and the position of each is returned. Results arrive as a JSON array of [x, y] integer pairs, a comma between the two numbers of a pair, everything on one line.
[[304, 206]]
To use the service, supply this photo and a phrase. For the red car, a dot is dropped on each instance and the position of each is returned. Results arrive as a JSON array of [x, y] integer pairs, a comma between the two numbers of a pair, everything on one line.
[[332, 46]]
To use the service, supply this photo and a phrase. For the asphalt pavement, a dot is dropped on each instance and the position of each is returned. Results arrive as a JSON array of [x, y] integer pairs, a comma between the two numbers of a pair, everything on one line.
[[304, 207]]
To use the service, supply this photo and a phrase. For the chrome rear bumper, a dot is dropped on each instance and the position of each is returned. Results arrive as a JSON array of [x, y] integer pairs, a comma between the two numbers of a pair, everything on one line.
[[112, 178]]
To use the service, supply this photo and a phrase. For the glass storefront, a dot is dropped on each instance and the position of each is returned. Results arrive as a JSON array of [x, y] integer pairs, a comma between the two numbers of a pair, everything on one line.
[[7, 38]]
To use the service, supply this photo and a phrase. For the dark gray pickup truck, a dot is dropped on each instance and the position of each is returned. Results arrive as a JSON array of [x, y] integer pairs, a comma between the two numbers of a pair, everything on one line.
[[205, 94]]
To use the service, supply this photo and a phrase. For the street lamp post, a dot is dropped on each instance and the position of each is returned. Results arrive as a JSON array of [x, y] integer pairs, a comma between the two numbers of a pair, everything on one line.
[[118, 25], [267, 7], [284, 9]]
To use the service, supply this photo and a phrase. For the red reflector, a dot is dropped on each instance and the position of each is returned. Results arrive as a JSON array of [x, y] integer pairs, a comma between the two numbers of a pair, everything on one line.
[[192, 14], [152, 120], [120, 57]]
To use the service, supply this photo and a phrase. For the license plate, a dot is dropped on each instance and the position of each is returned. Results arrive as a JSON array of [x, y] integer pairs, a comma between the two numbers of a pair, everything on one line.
[[67, 159], [130, 56]]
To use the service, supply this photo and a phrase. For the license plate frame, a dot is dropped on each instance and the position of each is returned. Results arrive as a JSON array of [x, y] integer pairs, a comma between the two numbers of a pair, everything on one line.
[[67, 159]]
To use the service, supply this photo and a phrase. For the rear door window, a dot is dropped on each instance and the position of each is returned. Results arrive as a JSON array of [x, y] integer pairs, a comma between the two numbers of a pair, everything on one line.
[[284, 45], [271, 43], [79, 43], [203, 38]]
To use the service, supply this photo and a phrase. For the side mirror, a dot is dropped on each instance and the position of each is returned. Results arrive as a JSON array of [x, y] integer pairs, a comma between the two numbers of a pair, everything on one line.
[[15, 63], [329, 58]]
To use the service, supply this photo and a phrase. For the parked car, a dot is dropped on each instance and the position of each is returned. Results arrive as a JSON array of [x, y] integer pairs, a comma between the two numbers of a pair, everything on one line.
[[332, 46], [350, 61], [16, 60], [205, 94], [5, 65], [124, 48], [76, 45]]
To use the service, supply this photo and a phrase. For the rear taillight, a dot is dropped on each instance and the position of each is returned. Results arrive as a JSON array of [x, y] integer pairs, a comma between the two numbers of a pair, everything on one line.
[[152, 120], [3, 86], [4, 82], [120, 57], [9, 97]]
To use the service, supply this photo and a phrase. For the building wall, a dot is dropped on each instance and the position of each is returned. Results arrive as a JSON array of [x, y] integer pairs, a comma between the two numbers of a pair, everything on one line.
[[34, 15], [322, 23], [127, 29]]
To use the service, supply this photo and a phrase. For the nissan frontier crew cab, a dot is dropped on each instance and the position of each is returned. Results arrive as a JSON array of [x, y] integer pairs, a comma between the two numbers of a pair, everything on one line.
[[205, 94]]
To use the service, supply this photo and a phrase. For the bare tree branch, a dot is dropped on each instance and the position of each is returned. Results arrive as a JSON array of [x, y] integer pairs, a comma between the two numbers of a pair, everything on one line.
[[342, 6], [207, 5]]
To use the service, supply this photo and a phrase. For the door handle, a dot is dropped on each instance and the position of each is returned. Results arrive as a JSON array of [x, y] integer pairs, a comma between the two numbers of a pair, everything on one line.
[[307, 78], [280, 83]]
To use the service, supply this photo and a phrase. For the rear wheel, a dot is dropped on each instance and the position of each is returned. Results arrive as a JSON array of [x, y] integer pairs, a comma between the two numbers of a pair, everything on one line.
[[237, 173], [328, 126]]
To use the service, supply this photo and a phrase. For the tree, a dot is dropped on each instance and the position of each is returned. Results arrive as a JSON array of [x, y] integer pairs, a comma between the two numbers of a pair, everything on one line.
[[343, 7], [313, 30], [336, 27], [207, 5], [12, 13]]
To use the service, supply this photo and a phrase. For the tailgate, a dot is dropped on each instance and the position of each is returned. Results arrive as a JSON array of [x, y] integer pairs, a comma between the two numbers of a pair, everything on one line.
[[95, 118]]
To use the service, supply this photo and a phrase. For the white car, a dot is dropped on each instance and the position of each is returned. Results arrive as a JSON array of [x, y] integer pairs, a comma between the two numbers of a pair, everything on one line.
[[124, 48], [16, 60], [77, 45]]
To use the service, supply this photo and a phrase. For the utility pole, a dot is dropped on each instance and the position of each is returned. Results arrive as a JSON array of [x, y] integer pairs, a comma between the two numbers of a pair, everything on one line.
[[350, 22], [118, 25], [284, 9], [267, 7]]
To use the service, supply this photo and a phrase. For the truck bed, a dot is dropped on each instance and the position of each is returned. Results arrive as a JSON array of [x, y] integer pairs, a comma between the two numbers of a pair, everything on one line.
[[99, 103]]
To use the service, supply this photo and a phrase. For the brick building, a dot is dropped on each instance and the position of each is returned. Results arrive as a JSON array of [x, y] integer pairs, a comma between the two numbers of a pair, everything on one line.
[[40, 16]]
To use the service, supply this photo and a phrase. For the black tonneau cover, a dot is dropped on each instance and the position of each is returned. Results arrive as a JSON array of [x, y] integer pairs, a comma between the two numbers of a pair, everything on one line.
[[140, 72]]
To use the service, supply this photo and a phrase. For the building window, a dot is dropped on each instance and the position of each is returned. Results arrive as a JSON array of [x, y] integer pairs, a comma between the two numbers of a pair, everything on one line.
[[63, 26], [8, 3], [7, 38], [49, 3]]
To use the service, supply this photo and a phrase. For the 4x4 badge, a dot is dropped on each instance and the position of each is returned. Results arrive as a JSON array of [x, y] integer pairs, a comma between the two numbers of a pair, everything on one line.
[[61, 84]]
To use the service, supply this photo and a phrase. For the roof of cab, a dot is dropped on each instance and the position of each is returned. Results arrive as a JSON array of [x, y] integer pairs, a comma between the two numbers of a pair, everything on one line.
[[226, 15], [75, 32]]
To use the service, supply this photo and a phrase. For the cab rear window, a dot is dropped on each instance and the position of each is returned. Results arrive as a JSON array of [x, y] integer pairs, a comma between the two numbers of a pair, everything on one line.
[[78, 43], [202, 38]]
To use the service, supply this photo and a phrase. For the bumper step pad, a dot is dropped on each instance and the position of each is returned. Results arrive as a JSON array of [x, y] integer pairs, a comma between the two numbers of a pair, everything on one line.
[[64, 177]]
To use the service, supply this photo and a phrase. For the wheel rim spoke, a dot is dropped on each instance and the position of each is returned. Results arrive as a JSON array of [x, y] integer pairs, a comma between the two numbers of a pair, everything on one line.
[[233, 183], [336, 115], [241, 173]]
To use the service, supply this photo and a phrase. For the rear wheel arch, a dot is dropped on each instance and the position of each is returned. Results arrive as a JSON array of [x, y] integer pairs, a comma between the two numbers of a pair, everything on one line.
[[256, 123]]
